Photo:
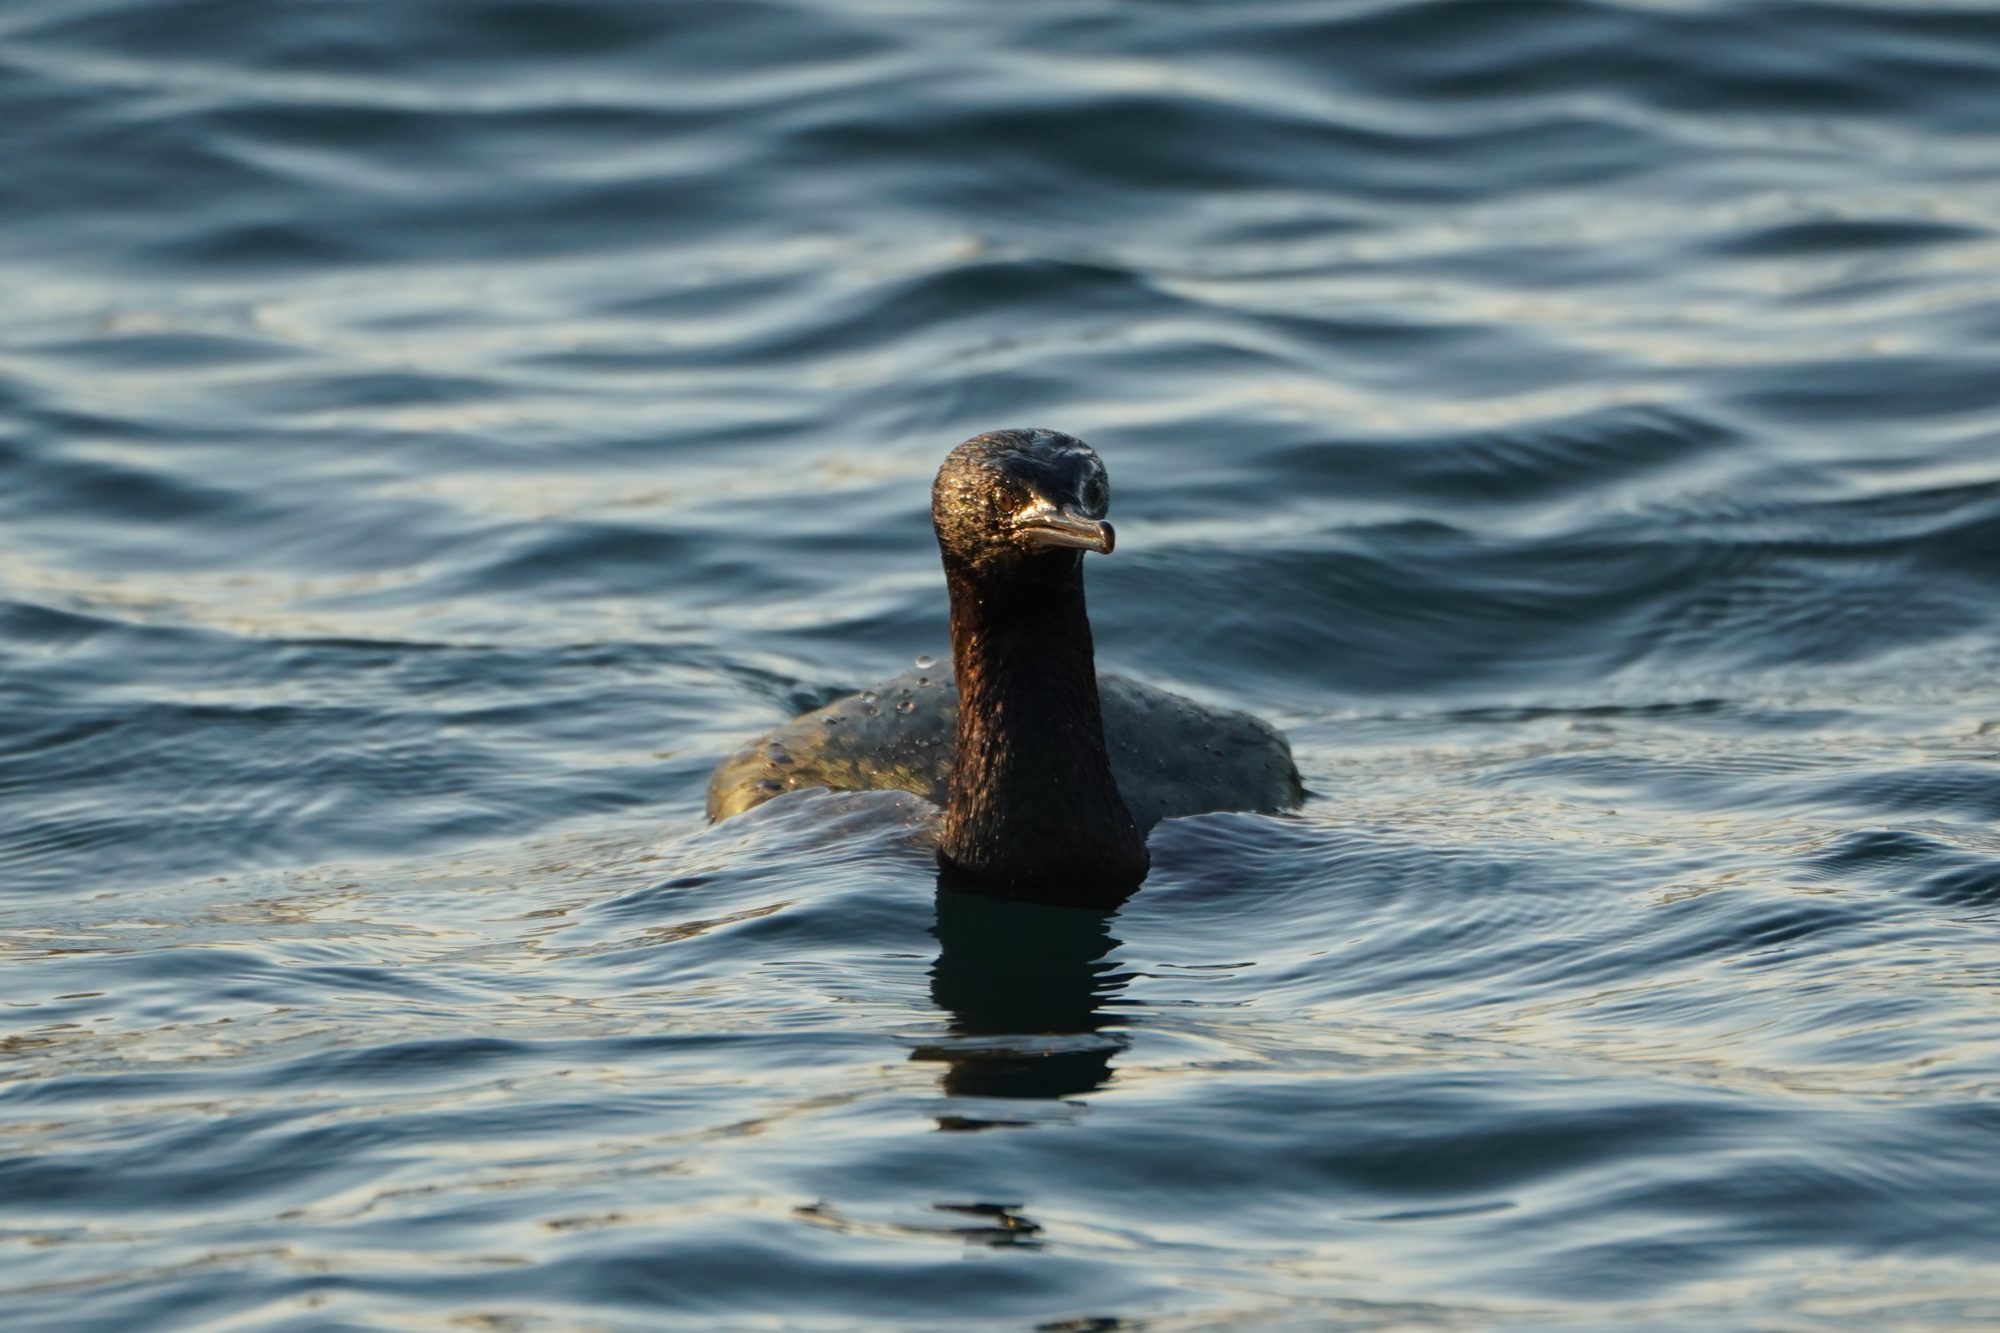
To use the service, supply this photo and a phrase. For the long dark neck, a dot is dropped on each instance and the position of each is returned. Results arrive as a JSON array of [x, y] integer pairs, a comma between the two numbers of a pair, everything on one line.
[[1032, 804]]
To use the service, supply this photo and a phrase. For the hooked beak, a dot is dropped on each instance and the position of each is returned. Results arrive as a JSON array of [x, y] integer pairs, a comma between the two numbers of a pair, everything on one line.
[[1047, 525]]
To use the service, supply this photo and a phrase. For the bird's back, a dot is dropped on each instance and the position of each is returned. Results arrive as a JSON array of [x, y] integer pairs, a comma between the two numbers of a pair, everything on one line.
[[1170, 755]]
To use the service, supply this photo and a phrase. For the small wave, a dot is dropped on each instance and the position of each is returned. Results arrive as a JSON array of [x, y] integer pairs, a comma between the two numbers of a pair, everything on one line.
[[1836, 235], [1523, 464]]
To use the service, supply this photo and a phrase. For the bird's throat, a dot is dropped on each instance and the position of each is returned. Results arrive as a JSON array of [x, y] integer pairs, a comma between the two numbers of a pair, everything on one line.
[[1033, 807]]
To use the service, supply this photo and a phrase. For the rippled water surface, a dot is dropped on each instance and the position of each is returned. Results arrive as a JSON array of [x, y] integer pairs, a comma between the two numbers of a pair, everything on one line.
[[431, 435]]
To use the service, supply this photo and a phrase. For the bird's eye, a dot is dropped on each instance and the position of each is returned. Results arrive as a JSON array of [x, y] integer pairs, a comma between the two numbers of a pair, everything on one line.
[[1093, 495]]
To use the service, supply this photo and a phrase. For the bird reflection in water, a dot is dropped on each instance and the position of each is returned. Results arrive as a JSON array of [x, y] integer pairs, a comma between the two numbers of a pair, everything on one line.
[[1029, 990]]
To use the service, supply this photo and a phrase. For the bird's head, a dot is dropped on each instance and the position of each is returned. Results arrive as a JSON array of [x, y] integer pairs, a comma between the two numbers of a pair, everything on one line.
[[1021, 497]]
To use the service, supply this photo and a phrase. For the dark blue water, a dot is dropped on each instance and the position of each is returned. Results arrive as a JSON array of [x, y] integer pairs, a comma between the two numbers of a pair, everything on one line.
[[431, 435]]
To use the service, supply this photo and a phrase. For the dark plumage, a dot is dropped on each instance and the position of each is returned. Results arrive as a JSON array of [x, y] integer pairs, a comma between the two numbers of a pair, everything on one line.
[[1049, 775]]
